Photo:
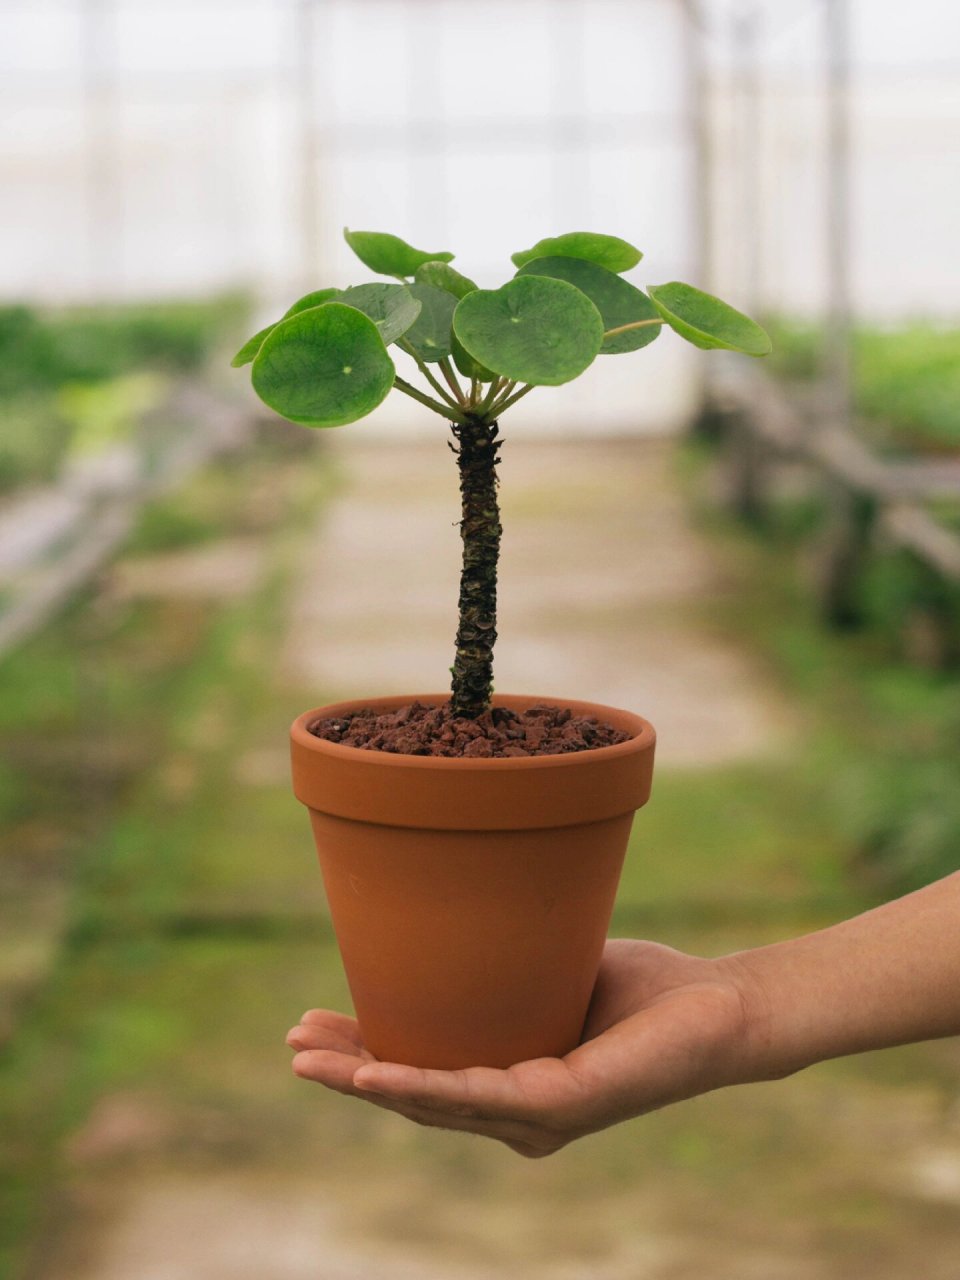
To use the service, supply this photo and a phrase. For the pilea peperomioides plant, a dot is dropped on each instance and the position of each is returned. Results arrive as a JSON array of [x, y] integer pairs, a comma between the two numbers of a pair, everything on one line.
[[325, 363]]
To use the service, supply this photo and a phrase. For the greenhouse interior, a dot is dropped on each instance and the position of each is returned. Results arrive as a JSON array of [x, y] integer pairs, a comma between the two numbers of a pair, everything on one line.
[[759, 556]]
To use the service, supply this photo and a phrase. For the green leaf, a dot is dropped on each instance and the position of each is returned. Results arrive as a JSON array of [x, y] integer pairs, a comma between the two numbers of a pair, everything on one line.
[[315, 299], [389, 255], [618, 301], [465, 362], [443, 277], [389, 306], [606, 251], [706, 321], [252, 345], [323, 367], [533, 329], [430, 336], [250, 348]]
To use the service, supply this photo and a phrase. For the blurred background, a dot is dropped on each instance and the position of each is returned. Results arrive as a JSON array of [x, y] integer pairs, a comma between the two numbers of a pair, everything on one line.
[[762, 557]]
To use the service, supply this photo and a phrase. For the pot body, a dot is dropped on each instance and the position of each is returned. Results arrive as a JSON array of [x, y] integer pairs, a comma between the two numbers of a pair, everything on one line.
[[471, 898]]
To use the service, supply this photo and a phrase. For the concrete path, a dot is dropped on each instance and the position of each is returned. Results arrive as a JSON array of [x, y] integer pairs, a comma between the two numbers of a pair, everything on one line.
[[606, 591]]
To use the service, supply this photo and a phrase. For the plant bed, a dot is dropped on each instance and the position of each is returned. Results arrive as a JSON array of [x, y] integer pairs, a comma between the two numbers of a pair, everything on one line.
[[74, 379], [471, 849], [906, 382]]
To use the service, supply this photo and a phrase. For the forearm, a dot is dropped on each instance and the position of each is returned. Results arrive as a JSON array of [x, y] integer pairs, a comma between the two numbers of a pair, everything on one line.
[[887, 977]]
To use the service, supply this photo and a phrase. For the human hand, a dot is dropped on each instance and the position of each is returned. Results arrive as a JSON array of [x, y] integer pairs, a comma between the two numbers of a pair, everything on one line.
[[662, 1026]]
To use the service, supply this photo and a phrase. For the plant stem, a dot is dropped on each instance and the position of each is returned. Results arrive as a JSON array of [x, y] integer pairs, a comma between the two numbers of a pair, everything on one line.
[[452, 382], [453, 414], [635, 324], [476, 449], [422, 366]]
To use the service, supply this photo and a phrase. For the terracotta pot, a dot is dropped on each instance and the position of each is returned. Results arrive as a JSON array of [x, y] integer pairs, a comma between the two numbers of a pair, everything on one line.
[[471, 898]]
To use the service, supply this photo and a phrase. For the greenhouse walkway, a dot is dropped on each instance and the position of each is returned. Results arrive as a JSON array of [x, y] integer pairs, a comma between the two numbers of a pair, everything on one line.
[[196, 1155]]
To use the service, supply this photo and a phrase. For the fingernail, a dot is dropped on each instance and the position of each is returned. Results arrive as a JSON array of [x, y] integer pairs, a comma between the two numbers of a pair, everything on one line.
[[293, 1035], [299, 1064]]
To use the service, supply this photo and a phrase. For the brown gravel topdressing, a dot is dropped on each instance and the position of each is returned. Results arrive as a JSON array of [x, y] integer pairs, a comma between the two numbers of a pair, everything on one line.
[[420, 730]]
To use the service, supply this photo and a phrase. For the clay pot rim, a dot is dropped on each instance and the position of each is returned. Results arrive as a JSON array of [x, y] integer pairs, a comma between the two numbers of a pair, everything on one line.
[[643, 735]]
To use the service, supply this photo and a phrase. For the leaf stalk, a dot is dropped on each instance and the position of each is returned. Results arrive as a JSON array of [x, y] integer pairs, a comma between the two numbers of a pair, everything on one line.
[[506, 403], [411, 351], [452, 381], [454, 415], [485, 404]]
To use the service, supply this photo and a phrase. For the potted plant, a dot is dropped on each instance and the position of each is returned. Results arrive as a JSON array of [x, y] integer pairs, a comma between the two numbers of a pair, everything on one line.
[[471, 847]]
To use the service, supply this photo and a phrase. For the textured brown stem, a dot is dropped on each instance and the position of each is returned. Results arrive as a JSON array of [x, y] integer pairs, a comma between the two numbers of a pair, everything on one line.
[[476, 449]]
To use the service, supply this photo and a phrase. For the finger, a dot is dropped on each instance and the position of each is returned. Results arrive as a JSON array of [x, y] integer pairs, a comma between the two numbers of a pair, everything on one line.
[[327, 1067], [340, 1023], [312, 1036], [336, 1071], [540, 1091]]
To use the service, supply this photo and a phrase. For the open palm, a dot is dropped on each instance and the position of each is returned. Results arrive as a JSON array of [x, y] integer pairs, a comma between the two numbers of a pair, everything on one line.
[[662, 1026]]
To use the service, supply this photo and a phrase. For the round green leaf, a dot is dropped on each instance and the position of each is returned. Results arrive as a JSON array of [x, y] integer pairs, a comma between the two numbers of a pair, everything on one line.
[[606, 251], [324, 367], [443, 277], [250, 348], [315, 299], [430, 336], [706, 321], [618, 301], [389, 306], [533, 329], [465, 362], [389, 255], [252, 345]]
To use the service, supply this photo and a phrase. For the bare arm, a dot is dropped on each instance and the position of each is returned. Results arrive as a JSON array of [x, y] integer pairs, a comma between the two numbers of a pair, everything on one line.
[[664, 1026], [887, 977]]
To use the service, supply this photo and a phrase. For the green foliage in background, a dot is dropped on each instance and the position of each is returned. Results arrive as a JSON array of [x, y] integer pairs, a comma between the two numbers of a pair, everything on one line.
[[911, 826], [887, 725], [43, 350], [34, 438], [911, 380], [77, 375], [906, 381]]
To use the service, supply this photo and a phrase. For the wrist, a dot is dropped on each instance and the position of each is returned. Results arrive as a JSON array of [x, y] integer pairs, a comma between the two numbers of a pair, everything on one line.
[[768, 1047]]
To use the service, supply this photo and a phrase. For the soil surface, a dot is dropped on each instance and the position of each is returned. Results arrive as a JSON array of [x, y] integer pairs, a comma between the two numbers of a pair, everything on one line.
[[421, 730]]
